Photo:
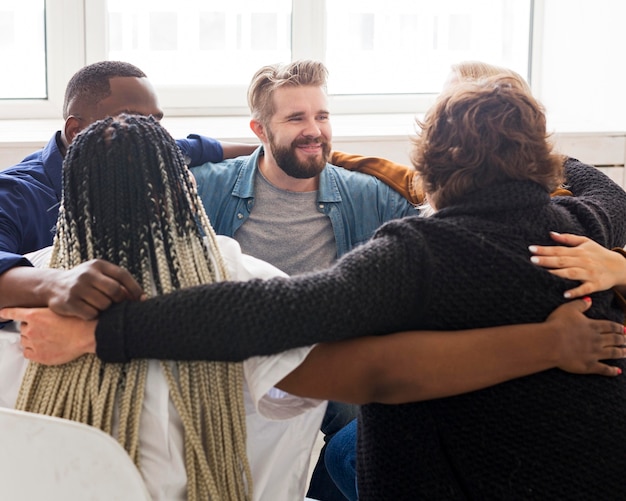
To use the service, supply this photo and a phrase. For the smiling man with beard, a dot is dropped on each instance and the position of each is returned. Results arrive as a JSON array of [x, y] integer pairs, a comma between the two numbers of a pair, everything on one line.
[[287, 205]]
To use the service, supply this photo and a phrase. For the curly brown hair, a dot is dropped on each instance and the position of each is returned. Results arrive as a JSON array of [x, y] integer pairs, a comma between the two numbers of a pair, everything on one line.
[[481, 133]]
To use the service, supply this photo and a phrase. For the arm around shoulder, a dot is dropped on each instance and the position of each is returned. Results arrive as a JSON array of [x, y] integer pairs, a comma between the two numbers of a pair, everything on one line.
[[400, 177], [422, 365]]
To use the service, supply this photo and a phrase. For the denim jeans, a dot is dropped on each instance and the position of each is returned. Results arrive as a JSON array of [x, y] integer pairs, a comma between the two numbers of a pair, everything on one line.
[[340, 459], [322, 486]]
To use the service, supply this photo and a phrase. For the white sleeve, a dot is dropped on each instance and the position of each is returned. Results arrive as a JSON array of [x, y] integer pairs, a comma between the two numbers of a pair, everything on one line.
[[12, 361], [243, 266], [40, 258], [262, 373], [12, 364]]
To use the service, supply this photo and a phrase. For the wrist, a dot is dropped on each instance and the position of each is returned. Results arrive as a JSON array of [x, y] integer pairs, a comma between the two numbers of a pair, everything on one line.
[[89, 345], [620, 279], [550, 340], [44, 287]]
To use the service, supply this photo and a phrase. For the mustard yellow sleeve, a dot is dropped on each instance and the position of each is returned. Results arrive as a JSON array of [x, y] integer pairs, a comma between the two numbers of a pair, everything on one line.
[[400, 177]]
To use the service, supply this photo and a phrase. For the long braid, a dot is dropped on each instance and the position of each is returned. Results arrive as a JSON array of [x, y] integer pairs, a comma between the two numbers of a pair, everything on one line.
[[129, 199]]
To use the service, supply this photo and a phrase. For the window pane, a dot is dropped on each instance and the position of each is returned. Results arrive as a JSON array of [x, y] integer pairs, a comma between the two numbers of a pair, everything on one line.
[[583, 70], [200, 42], [407, 46], [22, 49]]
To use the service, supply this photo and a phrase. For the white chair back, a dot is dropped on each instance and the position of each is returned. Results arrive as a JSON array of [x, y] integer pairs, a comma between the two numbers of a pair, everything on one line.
[[52, 459]]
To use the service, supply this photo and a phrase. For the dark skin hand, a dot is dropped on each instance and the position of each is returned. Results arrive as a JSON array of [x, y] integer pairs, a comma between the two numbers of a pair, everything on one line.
[[83, 292]]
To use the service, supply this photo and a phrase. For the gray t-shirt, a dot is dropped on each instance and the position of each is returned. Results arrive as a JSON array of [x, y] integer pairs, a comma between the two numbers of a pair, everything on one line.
[[286, 230]]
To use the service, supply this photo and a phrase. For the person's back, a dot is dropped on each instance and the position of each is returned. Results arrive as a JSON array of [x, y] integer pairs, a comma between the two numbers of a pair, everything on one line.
[[184, 424], [547, 436]]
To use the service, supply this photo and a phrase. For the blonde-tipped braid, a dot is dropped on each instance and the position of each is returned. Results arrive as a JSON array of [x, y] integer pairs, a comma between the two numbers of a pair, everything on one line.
[[157, 229]]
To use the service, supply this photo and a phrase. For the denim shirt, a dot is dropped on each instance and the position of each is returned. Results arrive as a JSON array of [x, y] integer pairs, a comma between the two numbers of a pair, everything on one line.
[[357, 204]]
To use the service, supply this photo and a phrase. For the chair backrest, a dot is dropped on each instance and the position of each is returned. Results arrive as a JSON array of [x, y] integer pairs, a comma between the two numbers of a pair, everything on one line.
[[52, 459]]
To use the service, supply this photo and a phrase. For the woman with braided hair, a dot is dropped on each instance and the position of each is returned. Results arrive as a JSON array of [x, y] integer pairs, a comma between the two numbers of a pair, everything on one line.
[[488, 169], [129, 198]]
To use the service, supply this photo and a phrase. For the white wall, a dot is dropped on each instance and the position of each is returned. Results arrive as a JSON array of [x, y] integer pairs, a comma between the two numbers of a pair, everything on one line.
[[371, 135]]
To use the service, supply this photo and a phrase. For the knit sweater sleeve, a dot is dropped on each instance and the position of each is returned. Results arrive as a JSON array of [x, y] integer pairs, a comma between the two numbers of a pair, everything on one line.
[[373, 290], [598, 202]]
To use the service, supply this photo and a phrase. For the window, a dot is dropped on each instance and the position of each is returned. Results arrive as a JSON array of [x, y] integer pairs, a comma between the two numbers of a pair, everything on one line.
[[407, 46], [213, 48], [384, 56], [23, 50]]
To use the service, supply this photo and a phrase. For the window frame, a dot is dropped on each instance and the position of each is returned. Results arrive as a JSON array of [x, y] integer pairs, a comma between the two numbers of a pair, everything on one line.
[[76, 34]]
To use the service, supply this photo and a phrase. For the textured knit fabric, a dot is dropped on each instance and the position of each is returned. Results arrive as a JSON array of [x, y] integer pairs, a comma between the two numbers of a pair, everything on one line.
[[548, 436]]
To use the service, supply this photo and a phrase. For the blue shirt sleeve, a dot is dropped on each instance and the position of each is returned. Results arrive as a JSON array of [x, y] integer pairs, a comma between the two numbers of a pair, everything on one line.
[[199, 150], [9, 260]]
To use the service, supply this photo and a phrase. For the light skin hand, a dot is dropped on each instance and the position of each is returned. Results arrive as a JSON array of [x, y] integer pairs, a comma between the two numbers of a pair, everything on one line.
[[580, 258], [83, 291], [52, 339]]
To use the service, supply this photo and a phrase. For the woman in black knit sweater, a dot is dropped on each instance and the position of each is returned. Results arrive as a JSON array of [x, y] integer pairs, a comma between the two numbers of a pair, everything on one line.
[[488, 169]]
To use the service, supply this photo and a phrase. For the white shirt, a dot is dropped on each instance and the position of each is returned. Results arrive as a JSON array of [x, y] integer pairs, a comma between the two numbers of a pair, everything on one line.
[[281, 428]]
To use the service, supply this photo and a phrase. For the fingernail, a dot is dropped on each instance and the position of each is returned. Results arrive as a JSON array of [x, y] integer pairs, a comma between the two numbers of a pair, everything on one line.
[[586, 298], [554, 233], [619, 371], [625, 329], [534, 259], [567, 295], [532, 248]]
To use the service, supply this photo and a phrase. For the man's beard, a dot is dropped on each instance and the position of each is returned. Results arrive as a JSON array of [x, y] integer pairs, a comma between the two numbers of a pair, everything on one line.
[[287, 159]]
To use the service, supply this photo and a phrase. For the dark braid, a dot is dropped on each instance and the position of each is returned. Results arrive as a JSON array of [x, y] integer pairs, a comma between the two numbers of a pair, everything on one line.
[[128, 198]]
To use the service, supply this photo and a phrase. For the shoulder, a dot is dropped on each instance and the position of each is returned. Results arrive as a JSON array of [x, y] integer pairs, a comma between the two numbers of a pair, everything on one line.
[[31, 166], [345, 175], [225, 167], [23, 179], [413, 228], [357, 182], [224, 173]]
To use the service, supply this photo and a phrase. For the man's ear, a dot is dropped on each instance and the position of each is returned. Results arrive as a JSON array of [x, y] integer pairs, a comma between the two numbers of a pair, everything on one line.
[[72, 128], [259, 130]]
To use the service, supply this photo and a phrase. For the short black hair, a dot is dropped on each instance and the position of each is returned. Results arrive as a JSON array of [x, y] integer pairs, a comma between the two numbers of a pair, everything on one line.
[[90, 84]]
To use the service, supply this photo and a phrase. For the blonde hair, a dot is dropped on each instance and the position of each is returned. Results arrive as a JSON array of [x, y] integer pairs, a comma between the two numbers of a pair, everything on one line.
[[128, 198], [470, 71], [269, 78]]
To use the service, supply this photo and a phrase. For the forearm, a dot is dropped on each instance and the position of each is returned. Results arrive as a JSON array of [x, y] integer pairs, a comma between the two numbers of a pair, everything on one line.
[[233, 150], [620, 270], [604, 200], [24, 286], [236, 320], [413, 366]]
